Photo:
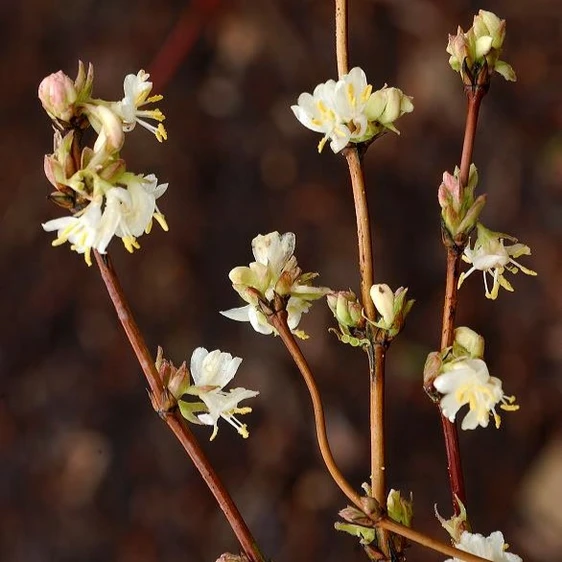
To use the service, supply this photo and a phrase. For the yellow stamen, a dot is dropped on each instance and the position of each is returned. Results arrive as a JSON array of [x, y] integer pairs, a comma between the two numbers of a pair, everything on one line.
[[130, 243], [161, 220], [154, 98], [161, 133]]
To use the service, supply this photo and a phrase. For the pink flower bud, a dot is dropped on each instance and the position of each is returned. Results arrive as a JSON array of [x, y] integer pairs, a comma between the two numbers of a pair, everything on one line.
[[58, 94]]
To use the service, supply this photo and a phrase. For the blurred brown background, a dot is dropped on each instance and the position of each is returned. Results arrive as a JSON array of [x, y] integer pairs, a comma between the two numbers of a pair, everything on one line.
[[87, 470]]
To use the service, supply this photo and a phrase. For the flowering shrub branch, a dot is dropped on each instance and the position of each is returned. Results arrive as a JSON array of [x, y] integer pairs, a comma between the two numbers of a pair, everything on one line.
[[106, 200]]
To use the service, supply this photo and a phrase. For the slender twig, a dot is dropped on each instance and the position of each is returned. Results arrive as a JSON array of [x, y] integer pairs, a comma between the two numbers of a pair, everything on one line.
[[426, 541], [454, 253], [363, 229], [341, 37], [378, 478], [279, 322], [474, 99], [450, 432], [187, 29], [377, 371], [173, 419]]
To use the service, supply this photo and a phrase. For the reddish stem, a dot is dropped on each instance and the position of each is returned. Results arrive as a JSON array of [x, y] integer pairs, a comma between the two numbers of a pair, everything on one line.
[[172, 418], [454, 253]]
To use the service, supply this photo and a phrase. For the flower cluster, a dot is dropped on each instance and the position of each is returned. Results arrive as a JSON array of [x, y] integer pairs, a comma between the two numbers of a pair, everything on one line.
[[490, 256], [92, 182], [479, 47], [211, 372], [349, 111], [274, 273], [461, 377]]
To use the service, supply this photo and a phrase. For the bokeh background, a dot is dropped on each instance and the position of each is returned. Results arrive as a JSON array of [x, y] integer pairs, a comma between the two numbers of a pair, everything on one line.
[[87, 470]]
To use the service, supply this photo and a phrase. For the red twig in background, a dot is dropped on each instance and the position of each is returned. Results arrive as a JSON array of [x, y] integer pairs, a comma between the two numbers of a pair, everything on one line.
[[180, 40]]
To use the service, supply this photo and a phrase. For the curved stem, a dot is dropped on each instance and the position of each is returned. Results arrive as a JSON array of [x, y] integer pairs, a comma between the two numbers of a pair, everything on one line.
[[454, 253], [424, 540], [173, 419], [279, 322]]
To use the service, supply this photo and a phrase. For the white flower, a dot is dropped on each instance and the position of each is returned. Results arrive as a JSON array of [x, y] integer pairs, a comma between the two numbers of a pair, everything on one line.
[[317, 113], [211, 372], [125, 212], [492, 257], [467, 381], [87, 229], [136, 88], [134, 208], [350, 98], [341, 111], [275, 272], [492, 547]]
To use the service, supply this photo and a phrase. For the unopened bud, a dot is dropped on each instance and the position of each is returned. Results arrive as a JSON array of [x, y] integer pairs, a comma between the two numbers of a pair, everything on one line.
[[383, 299], [459, 210], [346, 309], [386, 105], [475, 54], [400, 509], [109, 128], [468, 343], [84, 81], [488, 24], [58, 94]]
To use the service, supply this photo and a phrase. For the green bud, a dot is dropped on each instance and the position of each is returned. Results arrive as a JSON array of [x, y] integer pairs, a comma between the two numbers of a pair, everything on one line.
[[467, 343], [400, 509], [84, 82], [346, 309], [459, 209], [475, 54], [386, 105]]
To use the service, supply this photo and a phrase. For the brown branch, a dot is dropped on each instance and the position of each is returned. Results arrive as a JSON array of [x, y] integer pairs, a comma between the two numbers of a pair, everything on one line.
[[173, 419], [376, 380], [454, 253], [417, 537], [363, 229], [377, 371], [279, 322]]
